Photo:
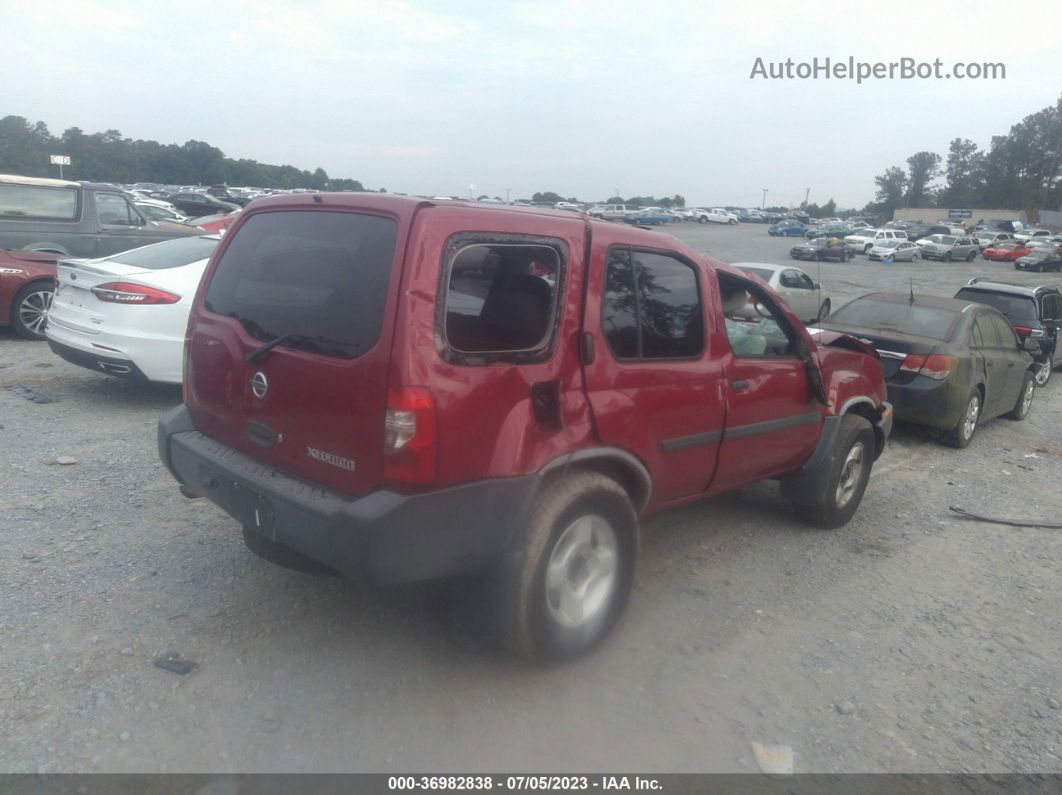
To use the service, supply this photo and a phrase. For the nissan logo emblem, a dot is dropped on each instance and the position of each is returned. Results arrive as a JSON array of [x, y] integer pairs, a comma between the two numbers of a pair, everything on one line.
[[259, 384]]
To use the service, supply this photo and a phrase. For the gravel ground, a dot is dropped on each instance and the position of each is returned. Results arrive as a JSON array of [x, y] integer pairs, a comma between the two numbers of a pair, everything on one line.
[[908, 640]]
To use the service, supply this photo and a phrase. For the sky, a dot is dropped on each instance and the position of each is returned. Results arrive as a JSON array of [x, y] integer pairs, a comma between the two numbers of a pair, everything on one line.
[[587, 99]]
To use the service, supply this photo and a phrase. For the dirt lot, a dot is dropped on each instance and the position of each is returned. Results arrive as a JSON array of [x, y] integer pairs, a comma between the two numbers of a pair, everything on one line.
[[908, 640]]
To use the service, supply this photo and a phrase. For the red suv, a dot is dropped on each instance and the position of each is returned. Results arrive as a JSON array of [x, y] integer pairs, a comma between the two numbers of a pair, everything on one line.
[[405, 389]]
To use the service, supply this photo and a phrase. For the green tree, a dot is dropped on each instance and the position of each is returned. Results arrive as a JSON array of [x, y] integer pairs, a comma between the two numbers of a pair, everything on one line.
[[892, 187], [923, 168], [964, 174], [547, 196]]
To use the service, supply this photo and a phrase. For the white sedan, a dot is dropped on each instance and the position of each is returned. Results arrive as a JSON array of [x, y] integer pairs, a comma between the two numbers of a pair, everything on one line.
[[125, 315], [803, 295]]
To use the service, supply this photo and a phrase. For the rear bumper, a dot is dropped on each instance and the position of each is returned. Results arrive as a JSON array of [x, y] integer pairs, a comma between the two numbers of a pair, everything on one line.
[[110, 365], [383, 537], [926, 401]]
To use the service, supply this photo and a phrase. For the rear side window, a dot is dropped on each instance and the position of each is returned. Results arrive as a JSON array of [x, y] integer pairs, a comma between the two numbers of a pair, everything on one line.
[[652, 307], [501, 297], [169, 253], [34, 201], [319, 275]]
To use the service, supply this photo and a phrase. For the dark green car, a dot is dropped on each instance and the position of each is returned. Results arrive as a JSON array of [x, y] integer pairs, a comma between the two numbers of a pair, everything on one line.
[[839, 231], [949, 364], [75, 219]]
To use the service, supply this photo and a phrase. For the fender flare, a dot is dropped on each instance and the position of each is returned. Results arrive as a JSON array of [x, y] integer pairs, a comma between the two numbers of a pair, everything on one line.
[[640, 484]]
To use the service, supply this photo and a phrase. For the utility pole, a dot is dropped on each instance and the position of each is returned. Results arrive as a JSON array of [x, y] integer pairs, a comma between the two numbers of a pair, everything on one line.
[[807, 195], [507, 195], [763, 204]]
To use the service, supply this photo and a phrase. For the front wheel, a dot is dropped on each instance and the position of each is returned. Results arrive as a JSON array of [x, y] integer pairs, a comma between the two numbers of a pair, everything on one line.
[[1025, 399], [29, 310], [702, 220], [970, 256], [948, 257], [562, 587], [848, 476], [732, 221], [963, 431]]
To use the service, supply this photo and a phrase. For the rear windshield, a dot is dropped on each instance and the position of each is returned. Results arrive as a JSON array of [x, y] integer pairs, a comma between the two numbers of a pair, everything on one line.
[[321, 276], [1018, 309], [35, 201], [169, 253], [763, 273], [901, 316]]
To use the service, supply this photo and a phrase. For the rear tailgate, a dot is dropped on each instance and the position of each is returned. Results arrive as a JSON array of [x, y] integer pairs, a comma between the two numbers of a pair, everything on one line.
[[74, 305], [312, 407]]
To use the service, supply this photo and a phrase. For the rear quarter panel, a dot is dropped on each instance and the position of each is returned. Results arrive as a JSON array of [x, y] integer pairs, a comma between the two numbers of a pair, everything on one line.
[[17, 270], [486, 423]]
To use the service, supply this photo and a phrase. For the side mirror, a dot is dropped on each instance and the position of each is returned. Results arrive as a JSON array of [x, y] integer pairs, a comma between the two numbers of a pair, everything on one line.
[[1029, 345], [817, 286]]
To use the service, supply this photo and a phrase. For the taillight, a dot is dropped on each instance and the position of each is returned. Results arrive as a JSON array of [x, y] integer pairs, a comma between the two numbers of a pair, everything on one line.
[[936, 366], [129, 293], [410, 437]]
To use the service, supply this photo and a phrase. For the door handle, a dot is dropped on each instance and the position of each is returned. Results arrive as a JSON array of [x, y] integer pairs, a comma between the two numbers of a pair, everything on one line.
[[739, 386]]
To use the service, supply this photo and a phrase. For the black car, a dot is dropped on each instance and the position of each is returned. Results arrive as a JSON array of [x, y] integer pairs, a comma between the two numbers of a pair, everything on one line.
[[224, 194], [949, 363], [1034, 312], [196, 205], [821, 248], [1041, 259]]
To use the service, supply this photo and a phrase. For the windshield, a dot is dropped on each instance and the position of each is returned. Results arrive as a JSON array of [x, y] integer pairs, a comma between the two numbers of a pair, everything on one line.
[[320, 275], [946, 240], [900, 316], [170, 253], [889, 244], [1019, 309]]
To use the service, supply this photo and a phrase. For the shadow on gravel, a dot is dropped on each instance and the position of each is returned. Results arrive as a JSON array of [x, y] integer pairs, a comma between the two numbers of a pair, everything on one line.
[[105, 389]]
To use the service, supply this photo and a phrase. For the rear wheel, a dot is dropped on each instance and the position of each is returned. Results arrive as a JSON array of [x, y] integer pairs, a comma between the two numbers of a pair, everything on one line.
[[948, 257], [848, 476], [1025, 399], [563, 586], [960, 435], [867, 247], [1043, 372], [702, 220], [29, 311], [970, 256]]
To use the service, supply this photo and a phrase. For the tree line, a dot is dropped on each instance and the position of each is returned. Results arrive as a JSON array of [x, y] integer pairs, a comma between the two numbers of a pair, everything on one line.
[[1021, 170], [109, 157]]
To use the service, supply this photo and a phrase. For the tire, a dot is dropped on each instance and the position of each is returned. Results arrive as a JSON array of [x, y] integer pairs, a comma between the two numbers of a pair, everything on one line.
[[1025, 399], [1042, 373], [970, 257], [867, 247], [848, 256], [29, 310], [702, 220], [732, 222], [915, 256], [848, 476], [280, 555], [962, 434], [582, 521], [824, 311], [947, 257]]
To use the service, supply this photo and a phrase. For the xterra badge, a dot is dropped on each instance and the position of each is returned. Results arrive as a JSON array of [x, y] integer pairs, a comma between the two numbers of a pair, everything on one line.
[[329, 458]]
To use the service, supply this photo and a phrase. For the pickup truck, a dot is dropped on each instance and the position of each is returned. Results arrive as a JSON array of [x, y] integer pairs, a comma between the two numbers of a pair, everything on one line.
[[612, 212], [502, 393]]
